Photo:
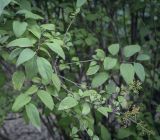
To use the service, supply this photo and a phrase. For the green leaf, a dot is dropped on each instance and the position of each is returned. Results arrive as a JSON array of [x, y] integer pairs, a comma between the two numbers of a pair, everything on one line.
[[123, 102], [2, 78], [124, 133], [99, 79], [139, 69], [111, 88], [100, 54], [46, 98], [33, 115], [45, 69], [56, 81], [127, 72], [24, 5], [21, 101], [56, 47], [19, 28], [85, 109], [113, 49], [95, 137], [21, 42], [35, 30], [67, 103], [3, 4], [15, 53], [104, 110], [109, 63], [90, 132], [29, 14], [24, 56], [31, 68], [50, 27], [32, 90], [143, 57], [44, 50], [18, 80], [105, 135], [131, 50], [93, 69], [80, 3]]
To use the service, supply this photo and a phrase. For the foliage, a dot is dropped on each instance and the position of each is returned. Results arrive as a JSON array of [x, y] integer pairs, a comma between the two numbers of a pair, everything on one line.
[[91, 68]]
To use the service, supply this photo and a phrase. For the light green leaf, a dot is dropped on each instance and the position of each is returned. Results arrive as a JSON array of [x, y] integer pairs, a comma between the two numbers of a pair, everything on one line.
[[67, 103], [50, 27], [143, 57], [99, 79], [21, 42], [80, 3], [139, 69], [109, 63], [33, 115], [90, 132], [18, 80], [32, 90], [100, 54], [46, 98], [123, 102], [131, 50], [85, 109], [35, 30], [45, 69], [95, 137], [29, 14], [111, 88], [24, 56], [56, 81], [56, 47], [19, 28], [93, 69], [104, 110], [113, 49], [127, 72], [21, 101], [3, 4]]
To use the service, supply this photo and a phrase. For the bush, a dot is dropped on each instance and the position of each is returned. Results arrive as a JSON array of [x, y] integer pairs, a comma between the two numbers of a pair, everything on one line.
[[89, 69]]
